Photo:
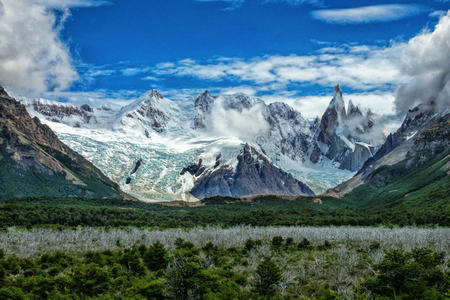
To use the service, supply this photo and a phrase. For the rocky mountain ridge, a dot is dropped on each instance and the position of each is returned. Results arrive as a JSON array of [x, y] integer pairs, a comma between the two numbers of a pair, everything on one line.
[[34, 162], [423, 131]]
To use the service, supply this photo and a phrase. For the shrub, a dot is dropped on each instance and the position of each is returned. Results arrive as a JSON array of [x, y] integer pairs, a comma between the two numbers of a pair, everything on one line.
[[268, 276], [155, 257], [326, 245], [289, 241], [277, 241], [132, 260], [249, 244], [252, 244], [304, 244], [182, 244], [153, 289], [375, 245], [90, 279], [409, 275]]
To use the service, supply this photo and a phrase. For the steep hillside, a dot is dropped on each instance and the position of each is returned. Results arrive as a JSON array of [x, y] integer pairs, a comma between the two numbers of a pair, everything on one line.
[[422, 131], [34, 162], [410, 171], [418, 182]]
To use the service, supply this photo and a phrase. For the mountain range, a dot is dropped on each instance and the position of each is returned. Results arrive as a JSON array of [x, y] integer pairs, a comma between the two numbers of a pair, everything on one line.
[[155, 149], [236, 145]]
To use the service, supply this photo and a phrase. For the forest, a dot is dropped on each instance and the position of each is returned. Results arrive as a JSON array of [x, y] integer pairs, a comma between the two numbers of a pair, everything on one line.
[[286, 263]]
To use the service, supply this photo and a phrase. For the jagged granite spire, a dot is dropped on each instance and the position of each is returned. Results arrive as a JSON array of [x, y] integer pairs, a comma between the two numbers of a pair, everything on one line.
[[353, 110], [203, 105], [3, 92]]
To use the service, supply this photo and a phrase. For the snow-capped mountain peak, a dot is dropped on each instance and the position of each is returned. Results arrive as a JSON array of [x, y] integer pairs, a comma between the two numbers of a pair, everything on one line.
[[149, 112], [167, 137]]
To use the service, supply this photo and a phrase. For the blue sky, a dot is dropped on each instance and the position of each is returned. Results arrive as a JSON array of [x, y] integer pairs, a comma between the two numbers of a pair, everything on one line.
[[269, 48]]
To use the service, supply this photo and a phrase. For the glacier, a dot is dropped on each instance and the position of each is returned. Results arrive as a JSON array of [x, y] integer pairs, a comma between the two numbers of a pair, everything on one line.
[[167, 136]]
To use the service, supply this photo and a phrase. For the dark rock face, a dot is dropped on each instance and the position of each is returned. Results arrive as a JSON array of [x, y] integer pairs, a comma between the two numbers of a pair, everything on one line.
[[203, 105], [137, 166], [57, 112], [354, 160], [341, 133], [195, 170], [86, 107], [416, 123], [36, 163], [254, 175], [3, 92]]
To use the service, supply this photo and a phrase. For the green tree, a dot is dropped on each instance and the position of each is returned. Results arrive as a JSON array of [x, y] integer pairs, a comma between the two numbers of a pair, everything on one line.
[[268, 276], [90, 279], [277, 241], [181, 276], [133, 261], [409, 275], [155, 257]]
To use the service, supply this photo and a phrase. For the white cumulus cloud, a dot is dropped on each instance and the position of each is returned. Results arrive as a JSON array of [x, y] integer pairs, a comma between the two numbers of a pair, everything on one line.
[[426, 59], [32, 56]]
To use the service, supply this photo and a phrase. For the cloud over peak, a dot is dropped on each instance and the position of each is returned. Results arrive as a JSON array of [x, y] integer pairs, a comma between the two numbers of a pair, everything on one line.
[[426, 59]]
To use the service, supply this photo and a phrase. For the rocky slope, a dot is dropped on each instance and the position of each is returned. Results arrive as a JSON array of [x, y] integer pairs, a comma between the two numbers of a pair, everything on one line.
[[422, 134], [253, 175], [34, 162]]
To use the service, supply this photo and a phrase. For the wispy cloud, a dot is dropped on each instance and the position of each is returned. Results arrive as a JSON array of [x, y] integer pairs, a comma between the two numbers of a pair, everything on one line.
[[368, 14], [233, 4], [114, 99], [358, 67], [72, 3], [135, 71], [437, 13]]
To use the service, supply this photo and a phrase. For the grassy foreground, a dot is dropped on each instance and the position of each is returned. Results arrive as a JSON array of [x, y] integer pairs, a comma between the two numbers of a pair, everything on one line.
[[235, 263]]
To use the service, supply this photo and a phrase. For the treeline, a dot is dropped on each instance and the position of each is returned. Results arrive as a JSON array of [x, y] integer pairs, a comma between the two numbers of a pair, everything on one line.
[[213, 272], [267, 211]]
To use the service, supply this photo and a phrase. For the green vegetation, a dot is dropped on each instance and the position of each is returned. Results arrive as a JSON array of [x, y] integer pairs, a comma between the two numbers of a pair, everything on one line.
[[416, 183], [21, 180], [413, 192], [267, 271], [262, 211], [410, 275]]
